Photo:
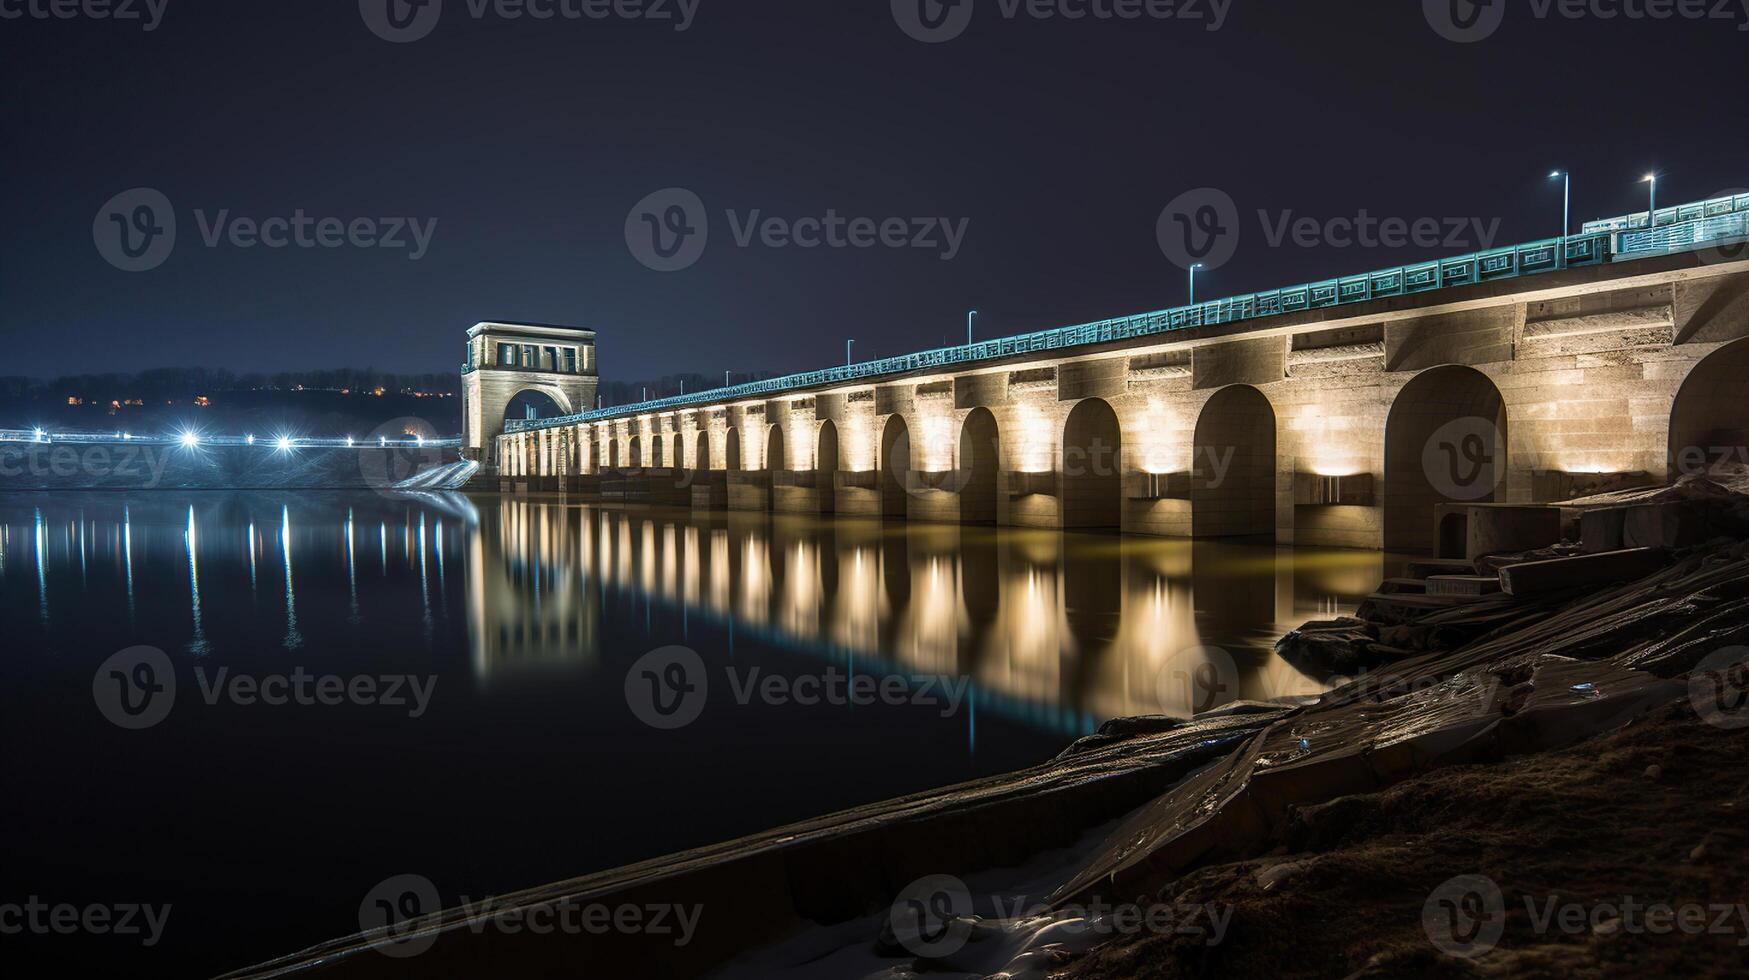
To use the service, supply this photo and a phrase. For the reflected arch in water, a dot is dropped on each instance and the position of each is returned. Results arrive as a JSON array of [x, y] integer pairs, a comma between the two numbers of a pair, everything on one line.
[[1089, 467], [1445, 441], [980, 455], [895, 466], [1709, 421], [1232, 478]]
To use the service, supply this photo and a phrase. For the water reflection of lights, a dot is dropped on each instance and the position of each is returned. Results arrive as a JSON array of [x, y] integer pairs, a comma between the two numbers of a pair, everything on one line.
[[1027, 615]]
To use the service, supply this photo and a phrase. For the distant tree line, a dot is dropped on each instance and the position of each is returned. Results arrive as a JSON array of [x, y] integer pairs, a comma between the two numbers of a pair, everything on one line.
[[183, 384], [630, 392]]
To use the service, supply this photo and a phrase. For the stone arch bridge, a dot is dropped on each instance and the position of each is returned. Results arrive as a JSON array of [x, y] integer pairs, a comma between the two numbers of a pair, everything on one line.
[[1336, 414]]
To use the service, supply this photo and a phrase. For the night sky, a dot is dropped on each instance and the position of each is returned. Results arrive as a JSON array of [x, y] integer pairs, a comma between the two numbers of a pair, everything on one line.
[[530, 141]]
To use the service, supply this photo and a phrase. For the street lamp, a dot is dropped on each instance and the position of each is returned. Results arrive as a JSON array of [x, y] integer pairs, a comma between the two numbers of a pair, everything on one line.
[[847, 359], [1566, 209], [1193, 269], [1652, 210], [970, 319]]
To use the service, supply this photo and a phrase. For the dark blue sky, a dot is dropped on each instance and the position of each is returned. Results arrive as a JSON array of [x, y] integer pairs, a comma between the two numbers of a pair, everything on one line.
[[529, 142]]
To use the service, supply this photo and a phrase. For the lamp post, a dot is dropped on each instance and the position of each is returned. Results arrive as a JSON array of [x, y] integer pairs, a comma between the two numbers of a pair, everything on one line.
[[1652, 209], [1566, 209], [970, 319], [725, 379], [847, 346], [1193, 269]]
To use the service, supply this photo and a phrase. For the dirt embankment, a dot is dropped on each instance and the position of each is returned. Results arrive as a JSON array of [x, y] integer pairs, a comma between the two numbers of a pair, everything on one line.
[[1654, 813]]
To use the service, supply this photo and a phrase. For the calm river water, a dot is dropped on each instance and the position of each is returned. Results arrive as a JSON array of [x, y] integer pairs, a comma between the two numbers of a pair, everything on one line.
[[353, 687]]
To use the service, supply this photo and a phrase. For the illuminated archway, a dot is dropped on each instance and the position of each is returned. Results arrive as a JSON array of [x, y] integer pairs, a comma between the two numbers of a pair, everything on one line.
[[1232, 478], [637, 452], [1709, 422], [776, 462], [732, 450], [1445, 442], [980, 456], [1090, 467], [895, 466], [826, 466], [533, 403], [701, 454]]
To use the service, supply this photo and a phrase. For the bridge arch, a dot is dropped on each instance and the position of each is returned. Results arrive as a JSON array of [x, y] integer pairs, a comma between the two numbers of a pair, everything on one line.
[[980, 459], [1709, 421], [895, 466], [732, 450], [701, 453], [546, 401], [1445, 442], [1232, 466], [826, 466], [637, 453], [1090, 467], [657, 460], [776, 462]]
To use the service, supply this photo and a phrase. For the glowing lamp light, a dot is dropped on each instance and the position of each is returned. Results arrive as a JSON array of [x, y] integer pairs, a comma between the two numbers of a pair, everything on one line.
[[349, 440], [249, 440], [283, 444], [189, 440]]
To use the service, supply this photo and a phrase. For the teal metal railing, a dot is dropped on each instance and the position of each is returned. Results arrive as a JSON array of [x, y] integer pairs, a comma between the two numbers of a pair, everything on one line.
[[1689, 226]]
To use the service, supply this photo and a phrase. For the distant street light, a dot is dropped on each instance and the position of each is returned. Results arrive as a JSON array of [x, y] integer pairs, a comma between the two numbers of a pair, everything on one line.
[[1652, 211], [847, 345], [970, 319], [1193, 269]]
